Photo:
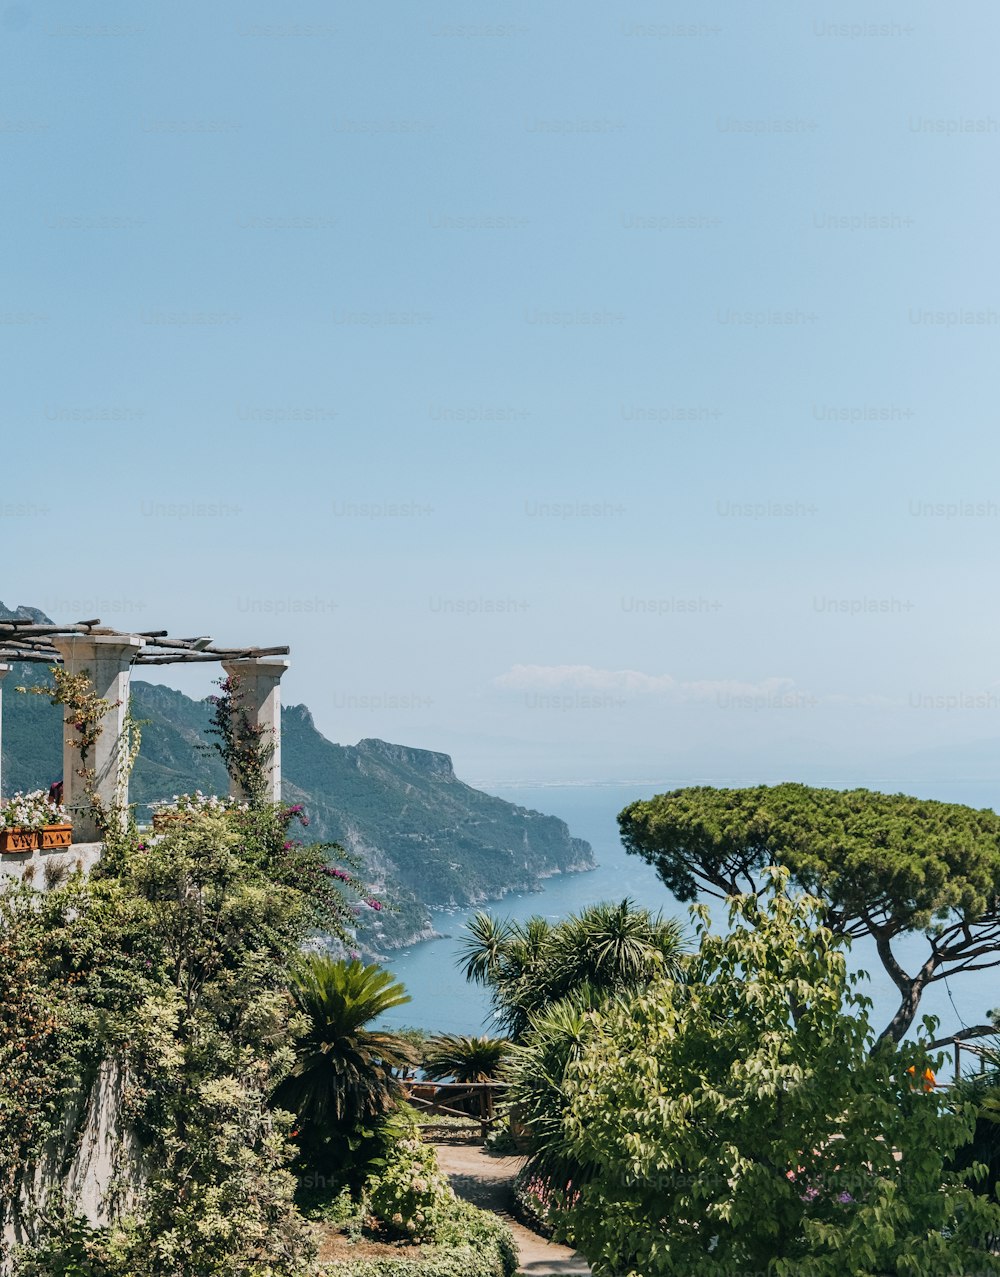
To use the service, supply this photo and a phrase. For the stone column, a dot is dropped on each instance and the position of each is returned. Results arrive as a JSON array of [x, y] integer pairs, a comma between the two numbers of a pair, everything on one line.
[[261, 695], [4, 671], [107, 660]]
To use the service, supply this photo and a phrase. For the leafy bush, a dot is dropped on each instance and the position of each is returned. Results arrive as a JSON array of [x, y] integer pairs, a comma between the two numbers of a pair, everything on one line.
[[71, 1249], [352, 1158], [340, 1210], [983, 1093], [742, 1122], [411, 1199], [500, 1139], [531, 1204], [472, 1243], [412, 1196], [170, 964]]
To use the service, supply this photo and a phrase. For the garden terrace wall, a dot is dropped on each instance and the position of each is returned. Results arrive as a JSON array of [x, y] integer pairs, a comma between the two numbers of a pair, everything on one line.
[[44, 870], [104, 1170]]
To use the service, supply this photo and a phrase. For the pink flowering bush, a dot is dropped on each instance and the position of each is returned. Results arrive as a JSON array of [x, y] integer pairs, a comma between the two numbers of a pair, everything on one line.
[[537, 1201]]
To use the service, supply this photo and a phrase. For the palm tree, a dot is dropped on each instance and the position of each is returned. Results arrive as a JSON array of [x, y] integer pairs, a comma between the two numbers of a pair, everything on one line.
[[537, 1071], [617, 946], [484, 948], [512, 958], [467, 1059], [610, 947], [343, 1072]]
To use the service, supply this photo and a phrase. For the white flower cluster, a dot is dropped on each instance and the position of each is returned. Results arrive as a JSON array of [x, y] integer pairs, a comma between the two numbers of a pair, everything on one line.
[[31, 811], [198, 802]]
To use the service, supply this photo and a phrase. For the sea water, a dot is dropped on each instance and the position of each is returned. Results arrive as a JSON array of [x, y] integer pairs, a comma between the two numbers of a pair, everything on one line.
[[442, 1001]]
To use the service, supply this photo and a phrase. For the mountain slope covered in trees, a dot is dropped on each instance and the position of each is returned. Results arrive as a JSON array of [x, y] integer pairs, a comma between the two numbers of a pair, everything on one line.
[[423, 837]]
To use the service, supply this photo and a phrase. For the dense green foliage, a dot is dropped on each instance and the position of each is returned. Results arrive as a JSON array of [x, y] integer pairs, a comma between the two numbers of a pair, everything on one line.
[[343, 1078], [169, 970], [408, 1199], [472, 1243], [982, 1092], [740, 1122], [460, 1057], [411, 1196], [47, 1051], [606, 949], [884, 865], [538, 1075]]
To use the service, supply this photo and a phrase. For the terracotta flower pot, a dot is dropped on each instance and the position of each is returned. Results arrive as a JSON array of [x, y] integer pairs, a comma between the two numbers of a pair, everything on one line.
[[13, 840]]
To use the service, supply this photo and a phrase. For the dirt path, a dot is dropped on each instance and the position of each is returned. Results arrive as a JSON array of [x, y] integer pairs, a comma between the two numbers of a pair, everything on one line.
[[485, 1180]]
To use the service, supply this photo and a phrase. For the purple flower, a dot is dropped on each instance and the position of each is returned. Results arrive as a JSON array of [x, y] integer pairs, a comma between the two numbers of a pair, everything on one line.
[[374, 904], [845, 1197]]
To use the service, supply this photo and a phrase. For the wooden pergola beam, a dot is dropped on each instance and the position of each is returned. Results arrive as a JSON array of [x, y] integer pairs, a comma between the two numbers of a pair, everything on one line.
[[25, 640]]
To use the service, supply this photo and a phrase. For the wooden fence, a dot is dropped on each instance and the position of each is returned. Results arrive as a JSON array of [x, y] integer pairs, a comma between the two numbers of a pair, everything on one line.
[[444, 1099], [960, 1046]]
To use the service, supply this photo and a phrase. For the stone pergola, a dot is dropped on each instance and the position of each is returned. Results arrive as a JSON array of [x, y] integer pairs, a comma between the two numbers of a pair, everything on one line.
[[109, 657]]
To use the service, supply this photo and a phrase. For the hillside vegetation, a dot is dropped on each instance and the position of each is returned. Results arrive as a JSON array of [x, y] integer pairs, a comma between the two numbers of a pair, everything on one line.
[[423, 836]]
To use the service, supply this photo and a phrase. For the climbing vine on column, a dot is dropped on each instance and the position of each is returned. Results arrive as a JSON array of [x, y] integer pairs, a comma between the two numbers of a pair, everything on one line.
[[245, 747], [84, 713]]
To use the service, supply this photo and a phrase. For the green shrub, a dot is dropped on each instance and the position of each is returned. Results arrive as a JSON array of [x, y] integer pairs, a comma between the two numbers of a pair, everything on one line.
[[500, 1140], [467, 1225], [748, 1109], [71, 1249], [472, 1243], [340, 1210], [411, 1196], [530, 1202], [412, 1199]]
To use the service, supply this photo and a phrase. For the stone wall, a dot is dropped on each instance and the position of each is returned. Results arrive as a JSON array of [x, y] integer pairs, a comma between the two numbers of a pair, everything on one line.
[[44, 870], [96, 1166]]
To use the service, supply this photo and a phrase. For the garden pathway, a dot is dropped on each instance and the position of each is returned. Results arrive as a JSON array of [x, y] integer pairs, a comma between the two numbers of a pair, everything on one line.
[[486, 1180]]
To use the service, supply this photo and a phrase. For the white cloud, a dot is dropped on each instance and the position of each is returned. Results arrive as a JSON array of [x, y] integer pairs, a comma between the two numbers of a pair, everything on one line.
[[588, 678]]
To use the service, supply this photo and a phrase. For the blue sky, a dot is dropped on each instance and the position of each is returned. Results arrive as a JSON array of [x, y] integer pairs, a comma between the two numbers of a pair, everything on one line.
[[586, 392]]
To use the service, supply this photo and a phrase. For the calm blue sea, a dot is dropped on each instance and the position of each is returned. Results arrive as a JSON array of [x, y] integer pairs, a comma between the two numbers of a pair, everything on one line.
[[442, 1001]]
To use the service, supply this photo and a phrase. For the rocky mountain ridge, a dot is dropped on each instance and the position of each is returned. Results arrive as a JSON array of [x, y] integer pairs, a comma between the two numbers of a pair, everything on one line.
[[423, 837]]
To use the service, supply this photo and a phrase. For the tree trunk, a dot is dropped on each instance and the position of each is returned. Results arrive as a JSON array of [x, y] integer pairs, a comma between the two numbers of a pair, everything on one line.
[[898, 1026], [910, 987]]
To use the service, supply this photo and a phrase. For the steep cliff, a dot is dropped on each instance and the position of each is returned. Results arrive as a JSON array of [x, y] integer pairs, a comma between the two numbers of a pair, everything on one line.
[[423, 836]]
